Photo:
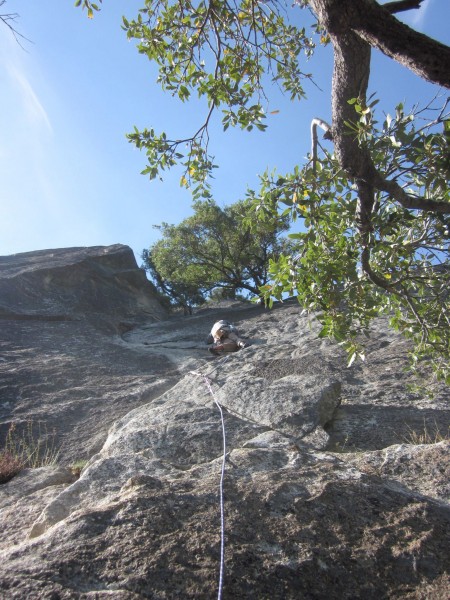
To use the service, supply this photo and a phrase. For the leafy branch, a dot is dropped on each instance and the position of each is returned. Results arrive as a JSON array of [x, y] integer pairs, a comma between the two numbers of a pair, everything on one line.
[[353, 266], [220, 50]]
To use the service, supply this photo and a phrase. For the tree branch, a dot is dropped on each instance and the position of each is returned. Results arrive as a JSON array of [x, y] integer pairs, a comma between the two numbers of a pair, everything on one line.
[[376, 25], [423, 55], [9, 20], [408, 201], [314, 141], [350, 80], [402, 5], [367, 268], [364, 207]]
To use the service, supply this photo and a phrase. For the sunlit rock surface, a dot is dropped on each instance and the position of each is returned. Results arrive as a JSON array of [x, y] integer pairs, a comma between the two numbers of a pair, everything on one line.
[[325, 495]]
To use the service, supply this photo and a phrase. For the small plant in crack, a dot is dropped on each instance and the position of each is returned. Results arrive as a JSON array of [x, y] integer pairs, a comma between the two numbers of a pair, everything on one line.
[[77, 467], [31, 446]]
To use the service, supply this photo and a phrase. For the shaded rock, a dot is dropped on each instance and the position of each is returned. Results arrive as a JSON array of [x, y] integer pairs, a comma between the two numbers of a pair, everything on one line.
[[377, 408], [424, 469], [61, 359], [102, 284], [73, 379], [298, 523]]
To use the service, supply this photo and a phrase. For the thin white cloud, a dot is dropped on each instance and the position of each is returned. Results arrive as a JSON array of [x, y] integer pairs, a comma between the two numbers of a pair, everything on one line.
[[27, 194], [19, 93], [33, 107]]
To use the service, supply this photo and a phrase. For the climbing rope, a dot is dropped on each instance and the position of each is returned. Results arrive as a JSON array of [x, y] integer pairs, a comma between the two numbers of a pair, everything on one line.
[[222, 476], [208, 384]]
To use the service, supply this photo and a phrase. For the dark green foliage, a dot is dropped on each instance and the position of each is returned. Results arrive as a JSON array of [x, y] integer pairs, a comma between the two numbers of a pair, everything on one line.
[[214, 249]]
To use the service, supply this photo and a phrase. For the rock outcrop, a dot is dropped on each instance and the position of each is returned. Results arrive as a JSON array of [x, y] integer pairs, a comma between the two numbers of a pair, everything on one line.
[[59, 360], [327, 493], [99, 284]]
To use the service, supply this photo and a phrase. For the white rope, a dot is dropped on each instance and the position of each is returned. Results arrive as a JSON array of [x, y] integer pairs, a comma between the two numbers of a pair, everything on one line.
[[222, 477]]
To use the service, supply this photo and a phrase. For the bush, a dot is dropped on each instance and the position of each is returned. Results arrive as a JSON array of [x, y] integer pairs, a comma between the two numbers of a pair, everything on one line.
[[10, 466]]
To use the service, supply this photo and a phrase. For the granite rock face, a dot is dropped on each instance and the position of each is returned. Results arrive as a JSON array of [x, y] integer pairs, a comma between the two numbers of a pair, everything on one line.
[[325, 495], [60, 363], [100, 284]]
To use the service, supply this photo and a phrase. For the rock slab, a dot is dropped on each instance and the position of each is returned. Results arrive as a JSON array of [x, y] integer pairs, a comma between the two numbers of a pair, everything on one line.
[[325, 496]]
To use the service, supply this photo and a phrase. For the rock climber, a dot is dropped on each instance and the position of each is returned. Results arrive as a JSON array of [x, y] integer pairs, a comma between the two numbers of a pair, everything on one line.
[[225, 338]]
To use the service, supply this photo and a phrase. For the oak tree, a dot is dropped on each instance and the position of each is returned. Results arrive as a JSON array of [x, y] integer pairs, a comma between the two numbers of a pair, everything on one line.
[[213, 250], [375, 208]]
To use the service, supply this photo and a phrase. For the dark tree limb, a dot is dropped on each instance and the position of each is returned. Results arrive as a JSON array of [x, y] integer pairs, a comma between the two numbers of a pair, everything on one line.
[[374, 277], [423, 55], [377, 25], [402, 5], [350, 80], [9, 19], [412, 202]]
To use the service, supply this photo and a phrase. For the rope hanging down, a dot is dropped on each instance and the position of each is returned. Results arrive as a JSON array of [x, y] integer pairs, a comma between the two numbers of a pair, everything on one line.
[[222, 477]]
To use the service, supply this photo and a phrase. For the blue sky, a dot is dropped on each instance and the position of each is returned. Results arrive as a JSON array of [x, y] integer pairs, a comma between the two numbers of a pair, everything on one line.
[[68, 176]]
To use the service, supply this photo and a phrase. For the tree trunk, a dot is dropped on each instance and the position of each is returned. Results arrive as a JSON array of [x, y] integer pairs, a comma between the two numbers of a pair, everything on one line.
[[354, 26]]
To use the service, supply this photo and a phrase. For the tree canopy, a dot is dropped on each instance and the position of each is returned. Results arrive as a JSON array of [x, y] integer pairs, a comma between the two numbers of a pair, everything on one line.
[[214, 249], [375, 208]]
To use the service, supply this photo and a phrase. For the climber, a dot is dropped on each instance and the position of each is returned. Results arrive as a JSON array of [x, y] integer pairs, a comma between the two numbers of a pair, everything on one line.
[[225, 338]]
